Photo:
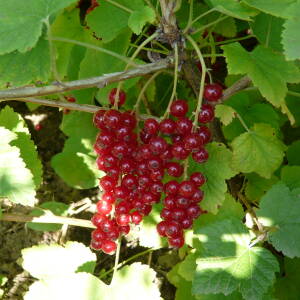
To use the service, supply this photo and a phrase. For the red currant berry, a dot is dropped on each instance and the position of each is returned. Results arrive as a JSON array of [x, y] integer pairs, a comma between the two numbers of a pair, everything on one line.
[[145, 209], [187, 223], [176, 242], [123, 208], [127, 166], [187, 188], [213, 92], [182, 202], [198, 178], [124, 229], [197, 196], [151, 126], [97, 219], [144, 181], [200, 156], [113, 234], [119, 150], [169, 202], [157, 175], [154, 163], [107, 183], [123, 219], [193, 211], [156, 188], [184, 126], [108, 197], [192, 142], [145, 136], [107, 225], [158, 145], [174, 169], [109, 247], [167, 126], [113, 94], [129, 119], [173, 229], [149, 198], [206, 114], [171, 187], [104, 207], [179, 108], [121, 192], [96, 245], [98, 119], [136, 217], [38, 127], [204, 134], [145, 152], [166, 214], [98, 235], [178, 214], [179, 151], [161, 228], [113, 118], [130, 182]]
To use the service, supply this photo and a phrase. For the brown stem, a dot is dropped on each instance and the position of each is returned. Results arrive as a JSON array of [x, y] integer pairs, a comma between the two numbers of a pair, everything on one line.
[[100, 81], [47, 219]]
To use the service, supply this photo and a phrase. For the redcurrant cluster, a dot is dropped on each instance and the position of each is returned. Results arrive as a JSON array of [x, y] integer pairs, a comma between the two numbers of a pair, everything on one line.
[[136, 164]]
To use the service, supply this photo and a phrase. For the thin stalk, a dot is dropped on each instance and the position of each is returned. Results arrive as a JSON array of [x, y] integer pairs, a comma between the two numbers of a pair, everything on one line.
[[186, 167], [115, 269], [210, 24], [293, 94], [120, 57], [126, 261], [202, 82], [242, 122], [155, 10], [176, 57], [229, 41], [190, 20], [198, 18], [151, 49], [136, 106], [134, 55], [116, 4]]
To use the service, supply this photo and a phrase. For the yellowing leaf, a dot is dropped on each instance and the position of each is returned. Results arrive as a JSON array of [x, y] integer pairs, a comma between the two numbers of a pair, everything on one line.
[[225, 113]]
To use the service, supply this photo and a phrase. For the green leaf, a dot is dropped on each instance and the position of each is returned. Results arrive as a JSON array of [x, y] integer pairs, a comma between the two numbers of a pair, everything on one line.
[[57, 208], [229, 263], [220, 158], [188, 266], [104, 27], [280, 209], [21, 23], [136, 280], [257, 186], [46, 261], [14, 122], [290, 175], [258, 151], [139, 18], [80, 286], [98, 63], [16, 181], [233, 8], [293, 153], [225, 113], [226, 28], [268, 30], [290, 36], [21, 68], [277, 8], [287, 286], [268, 70]]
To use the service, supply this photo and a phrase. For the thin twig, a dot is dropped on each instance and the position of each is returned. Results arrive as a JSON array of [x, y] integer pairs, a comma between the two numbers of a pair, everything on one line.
[[47, 218], [100, 81]]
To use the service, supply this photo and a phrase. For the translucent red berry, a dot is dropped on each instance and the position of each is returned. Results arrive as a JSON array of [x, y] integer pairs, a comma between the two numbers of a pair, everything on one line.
[[109, 247], [206, 114], [200, 156], [167, 126], [151, 126], [198, 178], [213, 92], [179, 108], [113, 94]]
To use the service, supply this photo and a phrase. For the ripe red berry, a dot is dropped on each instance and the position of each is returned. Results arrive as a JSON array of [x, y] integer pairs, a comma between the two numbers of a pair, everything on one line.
[[179, 108], [108, 197], [177, 214], [179, 151], [129, 119], [123, 219], [198, 178], [197, 196], [154, 163], [96, 245], [130, 182], [121, 192], [169, 202], [192, 142], [109, 247], [187, 188], [107, 183], [38, 127], [193, 211], [104, 207], [204, 134], [187, 223], [98, 235], [157, 175], [113, 234], [174, 169], [200, 156], [151, 126], [184, 126], [213, 92], [113, 94], [161, 228], [98, 119], [182, 201], [158, 145], [176, 242], [112, 118], [124, 229], [97, 219], [167, 126], [173, 229], [206, 114], [136, 217], [171, 187]]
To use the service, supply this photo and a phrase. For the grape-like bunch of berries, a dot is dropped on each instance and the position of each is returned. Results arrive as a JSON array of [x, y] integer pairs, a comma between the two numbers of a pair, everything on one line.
[[138, 161]]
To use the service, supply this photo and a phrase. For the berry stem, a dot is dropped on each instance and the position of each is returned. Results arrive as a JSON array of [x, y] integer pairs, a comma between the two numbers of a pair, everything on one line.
[[136, 106], [242, 122], [116, 4], [115, 269], [210, 24], [176, 57], [190, 20], [134, 55], [186, 167], [202, 82], [229, 41]]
